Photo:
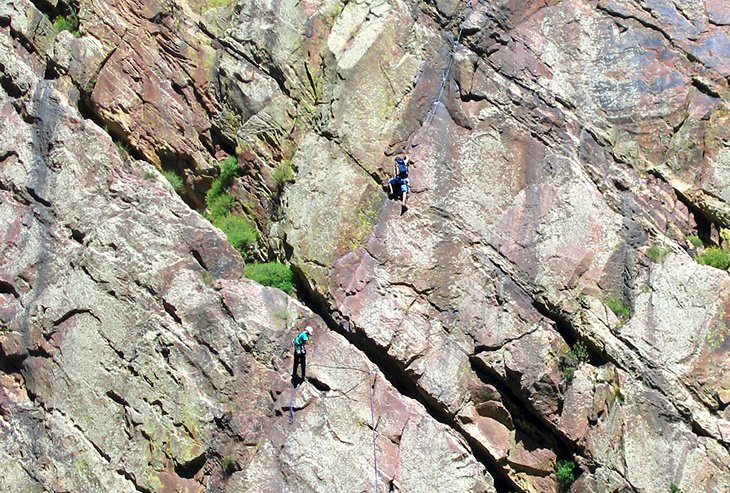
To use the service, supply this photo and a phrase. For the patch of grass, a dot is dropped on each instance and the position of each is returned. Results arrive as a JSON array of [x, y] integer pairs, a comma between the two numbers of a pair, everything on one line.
[[714, 257], [150, 175], [122, 149], [175, 180], [577, 355], [695, 241], [274, 274], [70, 24], [228, 465], [673, 488], [207, 278], [219, 206], [619, 307], [284, 173], [657, 254], [564, 473], [241, 234], [579, 352]]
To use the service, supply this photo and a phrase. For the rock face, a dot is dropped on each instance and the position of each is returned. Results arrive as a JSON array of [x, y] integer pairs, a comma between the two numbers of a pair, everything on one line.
[[537, 303]]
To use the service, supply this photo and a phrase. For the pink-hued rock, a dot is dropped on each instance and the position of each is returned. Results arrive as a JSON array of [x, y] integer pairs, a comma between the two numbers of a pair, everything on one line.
[[576, 148]]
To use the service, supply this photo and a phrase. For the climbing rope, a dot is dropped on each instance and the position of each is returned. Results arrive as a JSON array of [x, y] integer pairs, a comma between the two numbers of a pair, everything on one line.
[[375, 433], [291, 403], [470, 4], [372, 408]]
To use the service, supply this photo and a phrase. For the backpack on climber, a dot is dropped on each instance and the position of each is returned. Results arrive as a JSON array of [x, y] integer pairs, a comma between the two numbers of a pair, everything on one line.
[[400, 184]]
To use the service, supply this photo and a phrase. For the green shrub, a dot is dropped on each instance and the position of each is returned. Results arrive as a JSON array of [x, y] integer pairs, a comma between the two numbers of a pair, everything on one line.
[[70, 24], [240, 233], [619, 307], [564, 473], [219, 207], [673, 488], [657, 254], [228, 465], [695, 240], [175, 180], [714, 257], [284, 173], [274, 274], [579, 352]]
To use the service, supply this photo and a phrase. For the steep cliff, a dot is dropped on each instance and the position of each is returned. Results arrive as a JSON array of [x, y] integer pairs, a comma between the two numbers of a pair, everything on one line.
[[540, 306]]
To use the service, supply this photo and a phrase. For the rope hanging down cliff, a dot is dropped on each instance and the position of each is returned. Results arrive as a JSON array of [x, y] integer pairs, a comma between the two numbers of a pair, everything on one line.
[[372, 409], [415, 139]]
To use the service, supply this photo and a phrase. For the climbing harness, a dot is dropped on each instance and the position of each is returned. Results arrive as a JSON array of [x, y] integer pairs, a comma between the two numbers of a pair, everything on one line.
[[372, 408], [416, 137]]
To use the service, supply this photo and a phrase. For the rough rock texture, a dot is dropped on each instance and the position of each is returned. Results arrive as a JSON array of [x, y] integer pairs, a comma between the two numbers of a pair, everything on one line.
[[575, 146], [135, 358]]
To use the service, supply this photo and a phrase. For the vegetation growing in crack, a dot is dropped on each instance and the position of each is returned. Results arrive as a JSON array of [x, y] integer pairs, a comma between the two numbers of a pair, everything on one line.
[[714, 257], [68, 23], [228, 465], [284, 173], [219, 210], [619, 307], [673, 488], [273, 274], [577, 355], [695, 241], [564, 473], [657, 253], [175, 180]]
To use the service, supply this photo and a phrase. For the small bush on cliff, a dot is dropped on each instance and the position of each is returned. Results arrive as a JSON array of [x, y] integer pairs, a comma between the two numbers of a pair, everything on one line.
[[564, 473], [70, 24], [274, 274], [219, 207], [673, 488], [579, 352], [175, 180], [714, 257], [239, 232], [229, 168], [575, 356], [619, 307], [219, 204], [657, 254], [695, 241], [284, 173]]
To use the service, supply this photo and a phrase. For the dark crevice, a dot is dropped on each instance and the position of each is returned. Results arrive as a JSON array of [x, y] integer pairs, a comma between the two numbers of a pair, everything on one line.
[[170, 309], [190, 468], [198, 258], [704, 219], [398, 377], [37, 197], [570, 335], [530, 424], [72, 313], [117, 398], [7, 288], [704, 88], [78, 236]]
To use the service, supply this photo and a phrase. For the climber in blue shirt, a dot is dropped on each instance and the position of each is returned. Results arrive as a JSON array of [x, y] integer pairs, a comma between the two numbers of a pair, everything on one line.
[[400, 180], [300, 351]]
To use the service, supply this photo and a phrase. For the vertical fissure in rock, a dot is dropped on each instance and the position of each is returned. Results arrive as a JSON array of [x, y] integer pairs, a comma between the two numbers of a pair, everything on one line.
[[397, 376], [528, 421]]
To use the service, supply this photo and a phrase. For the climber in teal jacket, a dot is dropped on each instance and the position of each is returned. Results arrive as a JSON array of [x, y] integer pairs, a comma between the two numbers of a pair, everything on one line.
[[300, 351]]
